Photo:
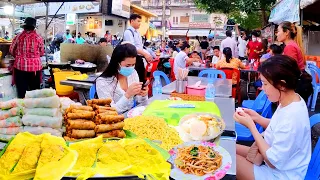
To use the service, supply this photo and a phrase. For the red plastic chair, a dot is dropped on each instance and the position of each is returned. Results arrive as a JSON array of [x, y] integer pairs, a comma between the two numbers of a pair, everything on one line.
[[172, 76], [235, 87]]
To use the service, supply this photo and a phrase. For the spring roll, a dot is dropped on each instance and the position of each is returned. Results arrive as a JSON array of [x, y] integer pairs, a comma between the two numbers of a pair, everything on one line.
[[114, 133], [108, 119], [84, 115], [103, 107], [79, 134], [86, 108], [79, 111], [101, 102], [108, 127], [107, 112], [81, 124]]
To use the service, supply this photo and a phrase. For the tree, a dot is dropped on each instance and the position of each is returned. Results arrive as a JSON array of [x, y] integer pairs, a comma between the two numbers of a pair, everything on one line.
[[247, 21], [229, 6]]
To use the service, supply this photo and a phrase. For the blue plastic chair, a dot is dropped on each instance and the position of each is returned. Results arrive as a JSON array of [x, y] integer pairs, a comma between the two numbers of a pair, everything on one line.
[[313, 172], [163, 75], [212, 74], [315, 71], [92, 91], [257, 104], [244, 134]]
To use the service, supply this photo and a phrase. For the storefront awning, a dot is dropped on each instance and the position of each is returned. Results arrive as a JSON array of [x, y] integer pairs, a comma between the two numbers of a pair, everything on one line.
[[177, 32], [198, 32], [285, 10]]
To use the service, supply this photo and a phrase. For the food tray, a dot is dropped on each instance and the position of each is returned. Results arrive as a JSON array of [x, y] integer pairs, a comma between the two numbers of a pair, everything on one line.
[[188, 97]]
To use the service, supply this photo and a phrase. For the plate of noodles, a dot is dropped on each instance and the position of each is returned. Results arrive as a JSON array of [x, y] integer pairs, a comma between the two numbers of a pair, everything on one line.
[[199, 160]]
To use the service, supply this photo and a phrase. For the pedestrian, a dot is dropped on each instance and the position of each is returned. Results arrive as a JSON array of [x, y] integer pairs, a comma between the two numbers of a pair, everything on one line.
[[67, 36], [79, 39], [108, 37], [133, 36], [242, 43], [204, 47], [231, 43], [103, 42], [27, 48]]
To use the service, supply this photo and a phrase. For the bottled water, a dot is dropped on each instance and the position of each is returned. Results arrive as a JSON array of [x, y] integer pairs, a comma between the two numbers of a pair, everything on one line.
[[157, 86], [210, 91]]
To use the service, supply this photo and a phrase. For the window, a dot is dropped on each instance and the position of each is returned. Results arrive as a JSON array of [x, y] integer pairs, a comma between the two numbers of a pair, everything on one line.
[[175, 20], [184, 19], [200, 18]]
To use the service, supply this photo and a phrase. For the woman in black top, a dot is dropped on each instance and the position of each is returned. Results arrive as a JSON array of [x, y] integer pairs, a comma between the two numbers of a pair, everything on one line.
[[204, 47]]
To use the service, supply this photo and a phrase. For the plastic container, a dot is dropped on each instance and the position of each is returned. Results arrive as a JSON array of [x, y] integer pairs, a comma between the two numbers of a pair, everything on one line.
[[210, 92], [196, 90], [62, 89]]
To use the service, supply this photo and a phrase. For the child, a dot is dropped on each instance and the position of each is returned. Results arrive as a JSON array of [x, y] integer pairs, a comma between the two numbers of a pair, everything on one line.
[[273, 50]]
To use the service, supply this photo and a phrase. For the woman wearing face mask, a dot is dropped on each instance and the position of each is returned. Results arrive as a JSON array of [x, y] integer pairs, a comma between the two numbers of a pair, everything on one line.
[[291, 36], [120, 81], [254, 47], [286, 146]]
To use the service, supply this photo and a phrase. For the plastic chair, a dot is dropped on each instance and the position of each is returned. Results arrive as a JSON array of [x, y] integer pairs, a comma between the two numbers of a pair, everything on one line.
[[235, 87], [163, 75], [244, 134], [92, 91], [257, 104], [315, 72], [313, 172], [212, 74]]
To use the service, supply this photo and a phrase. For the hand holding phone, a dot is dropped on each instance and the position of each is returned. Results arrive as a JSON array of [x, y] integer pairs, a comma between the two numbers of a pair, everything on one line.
[[145, 84]]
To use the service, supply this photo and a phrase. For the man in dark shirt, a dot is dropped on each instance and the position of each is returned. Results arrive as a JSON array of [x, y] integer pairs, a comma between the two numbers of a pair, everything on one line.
[[204, 47]]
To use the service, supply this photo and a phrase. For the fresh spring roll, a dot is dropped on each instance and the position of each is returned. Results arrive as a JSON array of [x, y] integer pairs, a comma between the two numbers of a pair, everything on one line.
[[46, 102], [14, 121], [52, 112], [113, 133], [10, 104], [41, 130], [11, 130], [83, 115], [79, 134], [17, 111], [81, 124], [40, 93], [108, 127], [44, 121], [108, 119]]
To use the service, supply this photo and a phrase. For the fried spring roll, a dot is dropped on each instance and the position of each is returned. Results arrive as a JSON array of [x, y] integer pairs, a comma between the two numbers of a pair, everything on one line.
[[104, 108], [101, 102], [107, 112], [78, 134], [79, 111], [84, 115], [114, 133], [108, 119], [108, 127], [81, 124], [86, 108]]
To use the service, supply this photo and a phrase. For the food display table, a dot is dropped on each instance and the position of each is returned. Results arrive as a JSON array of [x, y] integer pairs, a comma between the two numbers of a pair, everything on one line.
[[223, 86]]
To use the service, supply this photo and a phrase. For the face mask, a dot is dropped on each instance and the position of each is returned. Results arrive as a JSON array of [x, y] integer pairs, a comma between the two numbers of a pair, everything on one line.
[[78, 36], [126, 71], [254, 39]]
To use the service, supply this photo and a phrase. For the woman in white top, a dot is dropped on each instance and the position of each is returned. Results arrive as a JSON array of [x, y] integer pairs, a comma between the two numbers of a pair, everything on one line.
[[120, 81], [286, 146]]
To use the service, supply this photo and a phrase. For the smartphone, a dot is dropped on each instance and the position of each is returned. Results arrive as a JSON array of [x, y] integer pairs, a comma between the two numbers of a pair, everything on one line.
[[229, 133], [145, 84]]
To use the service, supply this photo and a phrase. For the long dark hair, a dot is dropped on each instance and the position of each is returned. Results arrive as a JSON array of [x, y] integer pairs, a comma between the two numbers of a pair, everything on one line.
[[119, 54], [228, 53], [283, 71]]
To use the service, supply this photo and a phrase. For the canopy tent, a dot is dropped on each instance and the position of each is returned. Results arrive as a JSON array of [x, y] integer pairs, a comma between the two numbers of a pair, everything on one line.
[[310, 10]]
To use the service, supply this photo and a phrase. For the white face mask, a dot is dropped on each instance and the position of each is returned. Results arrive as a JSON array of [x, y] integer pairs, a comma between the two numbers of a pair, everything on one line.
[[254, 39]]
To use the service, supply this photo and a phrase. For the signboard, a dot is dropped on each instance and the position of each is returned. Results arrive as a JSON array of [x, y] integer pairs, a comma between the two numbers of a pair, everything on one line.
[[199, 25], [157, 23], [200, 18], [71, 19], [158, 12], [120, 8], [285, 10], [39, 9]]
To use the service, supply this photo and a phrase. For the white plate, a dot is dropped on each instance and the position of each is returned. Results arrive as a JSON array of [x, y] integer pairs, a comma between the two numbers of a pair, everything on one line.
[[176, 173]]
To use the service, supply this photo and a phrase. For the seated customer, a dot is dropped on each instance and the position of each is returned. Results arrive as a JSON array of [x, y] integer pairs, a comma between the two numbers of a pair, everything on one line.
[[216, 54], [182, 60], [120, 81], [230, 62], [273, 50], [195, 55]]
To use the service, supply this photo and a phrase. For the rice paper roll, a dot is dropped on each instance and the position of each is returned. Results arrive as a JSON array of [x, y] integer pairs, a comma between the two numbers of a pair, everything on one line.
[[81, 124], [79, 134], [40, 93], [10, 104], [14, 121], [52, 112], [11, 130], [41, 130], [44, 121], [6, 137], [16, 111], [47, 102]]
